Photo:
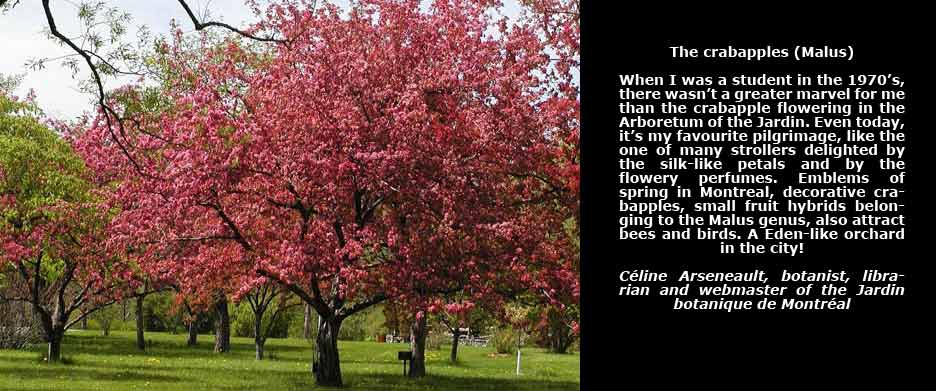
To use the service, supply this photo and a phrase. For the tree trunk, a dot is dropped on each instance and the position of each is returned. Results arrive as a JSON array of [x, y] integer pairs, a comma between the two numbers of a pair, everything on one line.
[[456, 334], [55, 348], [84, 321], [560, 343], [193, 333], [560, 335], [140, 324], [258, 344], [418, 347], [327, 367], [222, 327], [259, 338], [307, 322], [52, 332]]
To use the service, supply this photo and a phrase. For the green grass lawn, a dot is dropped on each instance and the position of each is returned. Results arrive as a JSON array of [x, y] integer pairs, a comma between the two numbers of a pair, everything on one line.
[[101, 363]]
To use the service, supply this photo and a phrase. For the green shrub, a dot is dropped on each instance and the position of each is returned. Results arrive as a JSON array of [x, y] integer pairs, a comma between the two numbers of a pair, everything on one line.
[[106, 319], [435, 339], [162, 314], [297, 317], [242, 321], [363, 326], [505, 340]]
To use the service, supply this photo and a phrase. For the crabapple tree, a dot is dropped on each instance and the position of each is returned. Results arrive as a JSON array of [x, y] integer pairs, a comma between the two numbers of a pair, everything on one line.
[[391, 150]]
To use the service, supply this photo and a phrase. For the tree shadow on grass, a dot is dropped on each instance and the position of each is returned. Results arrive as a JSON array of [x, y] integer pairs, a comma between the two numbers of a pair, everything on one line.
[[375, 382], [296, 379], [99, 345], [85, 374], [271, 347]]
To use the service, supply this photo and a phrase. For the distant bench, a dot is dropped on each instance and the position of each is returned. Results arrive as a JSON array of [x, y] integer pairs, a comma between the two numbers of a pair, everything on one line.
[[480, 341]]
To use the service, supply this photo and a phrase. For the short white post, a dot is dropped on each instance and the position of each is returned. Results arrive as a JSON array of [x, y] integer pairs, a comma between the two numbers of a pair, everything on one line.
[[518, 362], [518, 353]]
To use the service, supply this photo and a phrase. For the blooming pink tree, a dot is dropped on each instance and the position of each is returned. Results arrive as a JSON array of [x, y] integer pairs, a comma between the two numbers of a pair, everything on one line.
[[388, 152], [51, 228], [557, 285], [457, 314]]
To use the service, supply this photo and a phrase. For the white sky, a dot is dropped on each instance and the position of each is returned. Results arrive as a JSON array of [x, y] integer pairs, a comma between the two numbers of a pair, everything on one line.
[[22, 39]]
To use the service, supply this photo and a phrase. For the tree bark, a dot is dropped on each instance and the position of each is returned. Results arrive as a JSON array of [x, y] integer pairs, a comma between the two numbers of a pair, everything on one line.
[[259, 345], [560, 343], [259, 338], [53, 332], [418, 333], [192, 332], [222, 327], [327, 366], [307, 322], [560, 335], [140, 324], [456, 334], [55, 347]]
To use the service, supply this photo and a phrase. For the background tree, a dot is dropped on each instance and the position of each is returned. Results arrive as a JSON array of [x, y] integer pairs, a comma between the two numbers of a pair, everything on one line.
[[17, 326], [222, 323], [460, 317], [192, 317], [268, 301], [106, 317], [139, 296], [51, 227], [307, 324]]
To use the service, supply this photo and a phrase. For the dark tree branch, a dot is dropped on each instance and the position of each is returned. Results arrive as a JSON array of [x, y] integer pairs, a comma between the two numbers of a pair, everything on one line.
[[204, 238], [99, 84], [88, 313], [449, 325], [362, 305], [316, 301], [110, 115], [199, 25], [284, 305], [237, 236], [4, 2], [78, 303]]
